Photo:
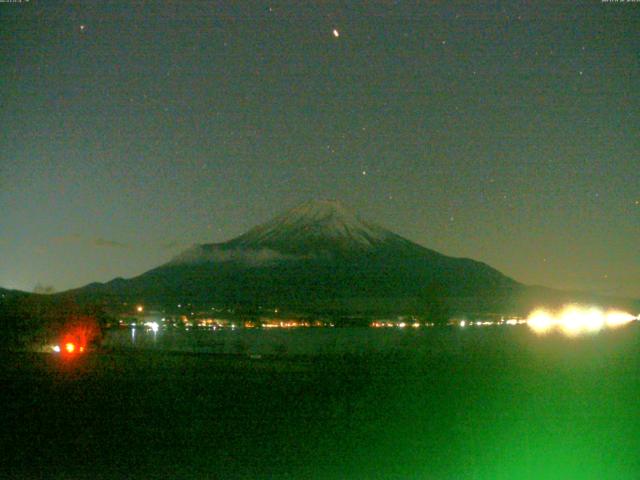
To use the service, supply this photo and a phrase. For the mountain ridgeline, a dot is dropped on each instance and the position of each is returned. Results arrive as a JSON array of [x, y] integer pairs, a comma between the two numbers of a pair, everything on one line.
[[320, 257]]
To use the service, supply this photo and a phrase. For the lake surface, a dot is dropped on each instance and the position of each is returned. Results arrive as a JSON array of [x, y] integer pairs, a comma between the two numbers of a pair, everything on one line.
[[284, 342], [481, 403], [311, 341]]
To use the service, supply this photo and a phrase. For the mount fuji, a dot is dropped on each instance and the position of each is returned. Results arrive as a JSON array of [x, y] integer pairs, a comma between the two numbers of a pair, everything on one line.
[[318, 256]]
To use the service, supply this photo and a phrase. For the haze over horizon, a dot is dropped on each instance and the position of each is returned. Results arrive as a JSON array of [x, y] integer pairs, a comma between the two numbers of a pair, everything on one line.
[[506, 133]]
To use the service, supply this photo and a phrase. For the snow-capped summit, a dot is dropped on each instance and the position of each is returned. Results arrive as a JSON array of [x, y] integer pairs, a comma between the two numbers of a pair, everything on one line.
[[318, 228], [314, 225]]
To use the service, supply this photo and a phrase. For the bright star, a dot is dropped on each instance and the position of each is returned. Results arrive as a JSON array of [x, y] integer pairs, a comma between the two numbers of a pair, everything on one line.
[[336, 33]]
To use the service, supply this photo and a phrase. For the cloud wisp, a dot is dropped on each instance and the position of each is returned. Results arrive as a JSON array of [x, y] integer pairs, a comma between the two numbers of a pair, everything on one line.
[[103, 242]]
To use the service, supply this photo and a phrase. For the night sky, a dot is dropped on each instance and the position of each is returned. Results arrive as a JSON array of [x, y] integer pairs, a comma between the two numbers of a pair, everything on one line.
[[505, 132]]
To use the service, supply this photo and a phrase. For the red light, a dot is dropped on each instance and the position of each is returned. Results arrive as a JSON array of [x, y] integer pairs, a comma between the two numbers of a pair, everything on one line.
[[77, 335]]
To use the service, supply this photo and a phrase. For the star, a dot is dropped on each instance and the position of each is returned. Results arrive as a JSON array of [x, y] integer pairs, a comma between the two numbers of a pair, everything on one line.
[[336, 33], [364, 172], [83, 28]]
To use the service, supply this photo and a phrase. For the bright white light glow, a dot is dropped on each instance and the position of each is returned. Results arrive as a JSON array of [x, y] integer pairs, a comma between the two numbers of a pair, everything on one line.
[[56, 348], [574, 320], [593, 320], [540, 321], [463, 323], [153, 326], [616, 318]]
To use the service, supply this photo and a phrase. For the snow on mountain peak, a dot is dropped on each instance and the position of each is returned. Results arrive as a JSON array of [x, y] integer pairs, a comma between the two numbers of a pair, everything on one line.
[[316, 221]]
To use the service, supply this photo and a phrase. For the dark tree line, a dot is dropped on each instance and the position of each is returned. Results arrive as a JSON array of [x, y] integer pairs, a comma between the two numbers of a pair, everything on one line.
[[32, 320]]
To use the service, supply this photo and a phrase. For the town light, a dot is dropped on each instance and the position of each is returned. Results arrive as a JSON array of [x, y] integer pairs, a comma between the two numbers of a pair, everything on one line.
[[540, 321], [153, 326], [616, 318], [573, 320]]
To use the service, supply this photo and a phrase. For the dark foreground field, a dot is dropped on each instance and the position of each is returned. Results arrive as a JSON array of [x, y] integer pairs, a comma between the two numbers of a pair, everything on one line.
[[501, 404]]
